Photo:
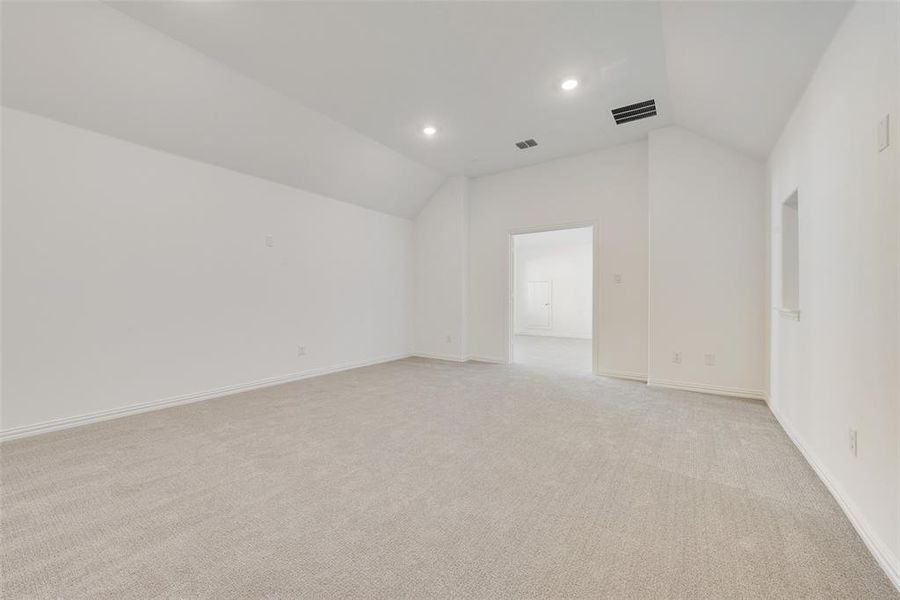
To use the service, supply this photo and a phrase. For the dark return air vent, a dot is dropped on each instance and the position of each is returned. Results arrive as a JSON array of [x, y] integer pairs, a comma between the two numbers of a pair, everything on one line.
[[633, 112], [524, 145]]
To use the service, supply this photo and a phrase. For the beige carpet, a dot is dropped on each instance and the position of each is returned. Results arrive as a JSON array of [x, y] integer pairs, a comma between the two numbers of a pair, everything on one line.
[[561, 354], [423, 479]]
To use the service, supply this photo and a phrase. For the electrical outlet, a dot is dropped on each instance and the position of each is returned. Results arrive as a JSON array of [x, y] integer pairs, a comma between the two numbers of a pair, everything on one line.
[[617, 278], [709, 360], [270, 241], [301, 350], [852, 440], [449, 339], [676, 358]]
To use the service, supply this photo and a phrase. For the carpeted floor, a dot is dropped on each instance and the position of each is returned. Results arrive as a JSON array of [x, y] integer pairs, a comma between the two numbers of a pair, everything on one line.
[[560, 354], [425, 479]]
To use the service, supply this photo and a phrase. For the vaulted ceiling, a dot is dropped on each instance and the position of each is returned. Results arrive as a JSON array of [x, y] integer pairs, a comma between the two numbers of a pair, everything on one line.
[[737, 69], [486, 73], [332, 97]]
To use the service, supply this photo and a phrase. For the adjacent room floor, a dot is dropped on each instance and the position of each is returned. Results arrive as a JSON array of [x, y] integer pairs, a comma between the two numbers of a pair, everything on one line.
[[566, 354], [424, 479]]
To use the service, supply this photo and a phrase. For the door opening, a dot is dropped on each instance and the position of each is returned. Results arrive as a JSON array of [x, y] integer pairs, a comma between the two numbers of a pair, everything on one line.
[[552, 298]]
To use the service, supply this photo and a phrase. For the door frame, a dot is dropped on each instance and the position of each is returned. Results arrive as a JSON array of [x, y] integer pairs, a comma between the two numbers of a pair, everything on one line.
[[595, 284]]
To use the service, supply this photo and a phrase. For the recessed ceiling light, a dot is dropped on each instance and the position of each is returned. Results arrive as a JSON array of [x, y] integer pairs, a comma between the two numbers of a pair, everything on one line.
[[569, 84], [429, 130]]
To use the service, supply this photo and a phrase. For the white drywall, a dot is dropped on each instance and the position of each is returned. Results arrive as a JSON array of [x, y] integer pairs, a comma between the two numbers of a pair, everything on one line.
[[90, 65], [441, 273], [707, 264], [608, 187], [132, 276], [837, 367], [564, 259]]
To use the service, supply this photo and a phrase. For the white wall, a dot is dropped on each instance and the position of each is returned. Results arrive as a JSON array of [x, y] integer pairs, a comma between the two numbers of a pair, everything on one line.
[[838, 366], [442, 273], [564, 258], [131, 276], [608, 187], [707, 264]]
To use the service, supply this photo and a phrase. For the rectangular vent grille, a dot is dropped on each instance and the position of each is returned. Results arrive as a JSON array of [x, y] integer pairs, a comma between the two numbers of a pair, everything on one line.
[[634, 112], [525, 144]]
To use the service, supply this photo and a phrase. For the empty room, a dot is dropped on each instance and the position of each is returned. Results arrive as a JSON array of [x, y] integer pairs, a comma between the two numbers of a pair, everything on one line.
[[485, 300], [553, 296]]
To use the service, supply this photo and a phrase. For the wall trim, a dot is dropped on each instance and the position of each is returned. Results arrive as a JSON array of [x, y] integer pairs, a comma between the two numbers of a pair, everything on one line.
[[634, 375], [882, 553], [539, 333], [486, 359], [707, 388], [460, 359], [124, 411], [434, 356]]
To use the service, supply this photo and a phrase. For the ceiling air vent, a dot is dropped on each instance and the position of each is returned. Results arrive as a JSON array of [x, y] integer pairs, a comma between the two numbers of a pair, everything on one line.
[[633, 112], [524, 145]]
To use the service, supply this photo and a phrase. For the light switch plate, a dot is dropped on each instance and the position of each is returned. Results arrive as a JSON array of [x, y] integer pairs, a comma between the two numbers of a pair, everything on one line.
[[884, 133]]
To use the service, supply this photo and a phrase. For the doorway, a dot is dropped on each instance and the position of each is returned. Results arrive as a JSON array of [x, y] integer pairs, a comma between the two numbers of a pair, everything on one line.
[[553, 298]]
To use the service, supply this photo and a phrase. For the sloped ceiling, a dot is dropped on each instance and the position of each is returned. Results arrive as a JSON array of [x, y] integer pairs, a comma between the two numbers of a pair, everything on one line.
[[89, 65], [332, 96], [487, 74], [737, 69]]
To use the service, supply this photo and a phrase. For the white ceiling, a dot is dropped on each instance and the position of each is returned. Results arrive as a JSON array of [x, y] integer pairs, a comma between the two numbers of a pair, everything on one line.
[[332, 96], [486, 73], [737, 69], [91, 66]]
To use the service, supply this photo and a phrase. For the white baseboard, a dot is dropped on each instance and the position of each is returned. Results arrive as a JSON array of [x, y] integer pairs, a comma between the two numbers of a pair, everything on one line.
[[623, 375], [487, 359], [460, 359], [114, 413], [707, 389], [553, 335], [433, 356], [881, 551]]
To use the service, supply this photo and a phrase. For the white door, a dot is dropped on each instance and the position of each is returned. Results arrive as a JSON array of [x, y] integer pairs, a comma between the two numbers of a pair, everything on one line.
[[538, 306]]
